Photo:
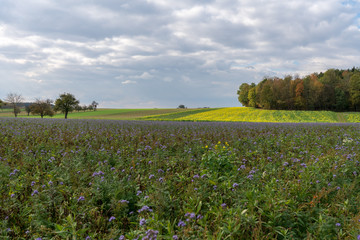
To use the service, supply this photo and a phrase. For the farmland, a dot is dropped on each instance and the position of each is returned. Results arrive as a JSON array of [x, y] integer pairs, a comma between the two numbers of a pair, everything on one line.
[[97, 179], [230, 114]]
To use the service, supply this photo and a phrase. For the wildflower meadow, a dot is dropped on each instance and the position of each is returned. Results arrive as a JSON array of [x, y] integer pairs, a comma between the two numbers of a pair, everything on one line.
[[104, 179]]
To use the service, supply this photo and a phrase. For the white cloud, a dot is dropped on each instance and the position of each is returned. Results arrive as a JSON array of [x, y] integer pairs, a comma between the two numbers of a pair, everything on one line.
[[128, 82]]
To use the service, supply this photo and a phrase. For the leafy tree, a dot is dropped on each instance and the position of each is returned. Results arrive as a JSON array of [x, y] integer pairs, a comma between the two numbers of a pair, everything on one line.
[[94, 105], [181, 106], [355, 91], [252, 97], [78, 108], [1, 104], [42, 108], [14, 100], [27, 109], [243, 93], [66, 103]]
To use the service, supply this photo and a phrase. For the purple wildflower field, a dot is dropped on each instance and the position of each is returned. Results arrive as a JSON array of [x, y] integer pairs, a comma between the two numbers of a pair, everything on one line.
[[102, 179]]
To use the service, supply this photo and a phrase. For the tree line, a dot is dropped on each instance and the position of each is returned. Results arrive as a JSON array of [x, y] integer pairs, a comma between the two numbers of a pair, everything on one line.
[[65, 103], [334, 90]]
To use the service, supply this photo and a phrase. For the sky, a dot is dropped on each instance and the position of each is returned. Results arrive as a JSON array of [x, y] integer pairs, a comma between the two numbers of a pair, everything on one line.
[[163, 53]]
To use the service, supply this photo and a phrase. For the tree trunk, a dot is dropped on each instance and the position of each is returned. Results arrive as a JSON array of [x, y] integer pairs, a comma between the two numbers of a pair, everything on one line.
[[66, 113]]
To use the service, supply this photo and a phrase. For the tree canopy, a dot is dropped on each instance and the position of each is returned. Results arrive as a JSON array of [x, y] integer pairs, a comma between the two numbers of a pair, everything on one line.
[[335, 90]]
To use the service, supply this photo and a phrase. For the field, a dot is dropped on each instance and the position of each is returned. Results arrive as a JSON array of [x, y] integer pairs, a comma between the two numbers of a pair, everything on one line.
[[112, 114], [234, 114], [97, 179]]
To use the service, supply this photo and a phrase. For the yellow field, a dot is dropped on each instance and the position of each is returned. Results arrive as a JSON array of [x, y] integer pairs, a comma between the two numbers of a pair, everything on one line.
[[242, 114]]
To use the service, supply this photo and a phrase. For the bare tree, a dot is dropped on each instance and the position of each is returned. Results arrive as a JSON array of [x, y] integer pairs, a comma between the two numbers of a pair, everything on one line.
[[14, 100]]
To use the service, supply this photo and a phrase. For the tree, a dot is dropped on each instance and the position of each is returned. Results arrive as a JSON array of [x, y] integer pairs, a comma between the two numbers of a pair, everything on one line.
[[27, 109], [78, 108], [355, 90], [66, 103], [14, 99], [1, 104], [94, 105], [252, 97], [42, 108], [243, 93], [181, 106]]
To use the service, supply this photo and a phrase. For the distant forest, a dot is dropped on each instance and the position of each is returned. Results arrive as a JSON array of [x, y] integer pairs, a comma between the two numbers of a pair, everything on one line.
[[334, 90]]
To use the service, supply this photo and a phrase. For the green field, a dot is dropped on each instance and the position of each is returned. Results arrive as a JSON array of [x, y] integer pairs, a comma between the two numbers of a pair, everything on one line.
[[231, 114]]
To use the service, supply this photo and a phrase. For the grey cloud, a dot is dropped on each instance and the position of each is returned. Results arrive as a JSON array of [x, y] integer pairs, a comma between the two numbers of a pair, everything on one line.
[[166, 53]]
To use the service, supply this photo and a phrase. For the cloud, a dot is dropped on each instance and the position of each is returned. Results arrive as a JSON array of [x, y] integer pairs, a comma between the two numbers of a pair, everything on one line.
[[166, 51], [128, 82]]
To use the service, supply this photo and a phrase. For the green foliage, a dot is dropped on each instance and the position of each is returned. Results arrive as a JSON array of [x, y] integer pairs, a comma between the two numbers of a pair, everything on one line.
[[66, 103]]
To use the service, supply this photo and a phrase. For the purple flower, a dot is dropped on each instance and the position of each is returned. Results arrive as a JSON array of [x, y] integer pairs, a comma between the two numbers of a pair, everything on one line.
[[181, 224], [122, 237], [223, 205], [142, 221], [235, 185], [175, 237], [33, 183], [12, 195], [81, 198], [161, 179], [145, 208], [35, 192], [338, 224], [111, 218], [196, 176], [88, 238], [151, 176], [124, 201]]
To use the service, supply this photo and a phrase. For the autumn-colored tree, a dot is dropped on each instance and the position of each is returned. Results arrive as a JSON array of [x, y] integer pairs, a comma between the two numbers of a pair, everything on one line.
[[332, 90]]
